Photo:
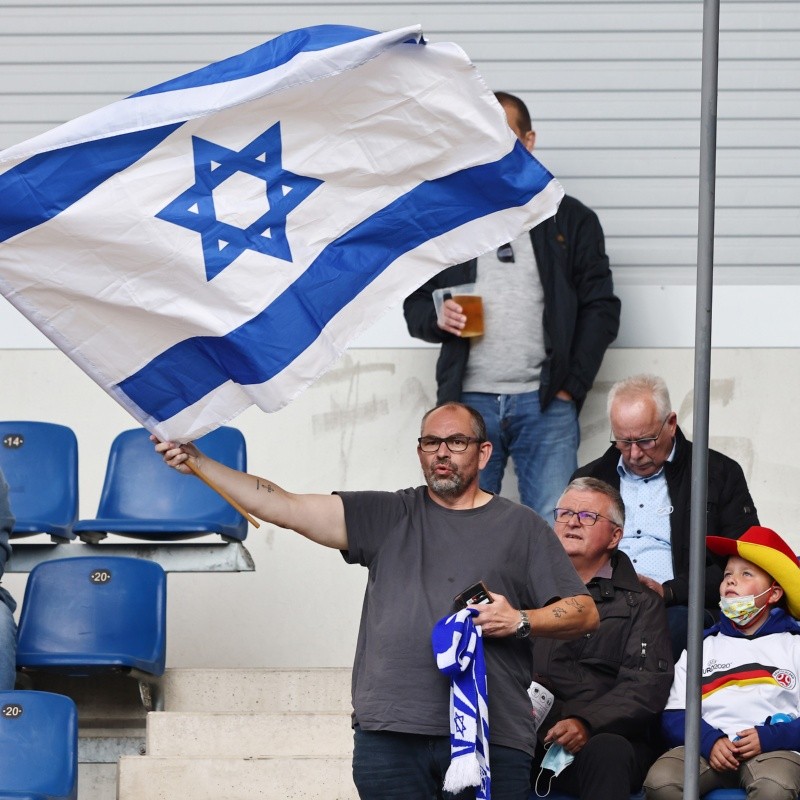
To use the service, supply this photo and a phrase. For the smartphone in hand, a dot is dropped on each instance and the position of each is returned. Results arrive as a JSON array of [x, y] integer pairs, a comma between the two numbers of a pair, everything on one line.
[[474, 595]]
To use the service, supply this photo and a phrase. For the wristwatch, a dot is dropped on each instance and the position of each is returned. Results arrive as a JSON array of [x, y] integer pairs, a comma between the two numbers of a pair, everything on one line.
[[524, 627]]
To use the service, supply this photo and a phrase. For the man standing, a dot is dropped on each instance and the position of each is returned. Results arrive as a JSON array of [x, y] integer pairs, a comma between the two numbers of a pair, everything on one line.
[[550, 313], [650, 461], [423, 546], [610, 686]]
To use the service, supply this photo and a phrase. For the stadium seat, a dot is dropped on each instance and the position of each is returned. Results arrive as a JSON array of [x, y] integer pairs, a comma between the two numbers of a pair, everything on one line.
[[40, 464], [725, 794], [144, 499], [38, 746], [85, 615]]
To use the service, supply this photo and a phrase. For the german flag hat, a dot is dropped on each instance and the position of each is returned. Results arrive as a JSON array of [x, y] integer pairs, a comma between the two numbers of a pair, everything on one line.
[[767, 550]]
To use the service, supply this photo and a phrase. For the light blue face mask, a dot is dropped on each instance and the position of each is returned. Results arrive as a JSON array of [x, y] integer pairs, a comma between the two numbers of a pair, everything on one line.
[[556, 759]]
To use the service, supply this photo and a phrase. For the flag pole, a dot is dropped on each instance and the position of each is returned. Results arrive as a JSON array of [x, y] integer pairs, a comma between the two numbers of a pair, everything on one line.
[[702, 380], [224, 495]]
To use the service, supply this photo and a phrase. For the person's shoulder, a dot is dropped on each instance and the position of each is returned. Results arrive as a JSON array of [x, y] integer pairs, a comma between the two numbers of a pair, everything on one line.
[[625, 579], [498, 503], [723, 460], [409, 495], [685, 445], [516, 511], [571, 206], [600, 466]]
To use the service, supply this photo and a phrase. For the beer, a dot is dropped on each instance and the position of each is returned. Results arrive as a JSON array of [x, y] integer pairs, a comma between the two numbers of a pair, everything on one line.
[[472, 308]]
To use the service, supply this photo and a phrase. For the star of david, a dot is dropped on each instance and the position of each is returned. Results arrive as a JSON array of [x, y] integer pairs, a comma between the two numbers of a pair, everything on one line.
[[458, 719], [259, 162]]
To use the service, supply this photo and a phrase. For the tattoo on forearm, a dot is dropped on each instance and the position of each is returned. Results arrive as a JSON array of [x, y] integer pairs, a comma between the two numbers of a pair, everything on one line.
[[559, 611], [264, 485]]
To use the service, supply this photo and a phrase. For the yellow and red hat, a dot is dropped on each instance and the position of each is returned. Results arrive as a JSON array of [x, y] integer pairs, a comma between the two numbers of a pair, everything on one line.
[[767, 550]]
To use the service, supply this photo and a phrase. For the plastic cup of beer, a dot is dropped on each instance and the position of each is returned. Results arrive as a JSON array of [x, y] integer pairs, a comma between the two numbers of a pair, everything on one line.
[[472, 308]]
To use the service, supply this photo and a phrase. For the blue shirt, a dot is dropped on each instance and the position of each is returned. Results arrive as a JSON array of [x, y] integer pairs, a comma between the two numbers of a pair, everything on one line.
[[647, 537]]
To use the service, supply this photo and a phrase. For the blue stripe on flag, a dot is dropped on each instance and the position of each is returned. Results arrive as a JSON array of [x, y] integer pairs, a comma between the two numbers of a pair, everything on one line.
[[266, 344], [264, 57], [44, 185]]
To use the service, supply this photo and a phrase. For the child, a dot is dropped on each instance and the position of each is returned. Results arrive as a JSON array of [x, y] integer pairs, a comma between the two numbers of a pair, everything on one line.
[[750, 726]]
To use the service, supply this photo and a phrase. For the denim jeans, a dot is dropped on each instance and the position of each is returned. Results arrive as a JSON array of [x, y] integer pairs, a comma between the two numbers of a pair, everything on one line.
[[8, 648], [408, 766], [542, 444]]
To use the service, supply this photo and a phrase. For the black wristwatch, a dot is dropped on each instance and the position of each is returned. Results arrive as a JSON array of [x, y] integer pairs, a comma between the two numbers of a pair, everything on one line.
[[524, 627]]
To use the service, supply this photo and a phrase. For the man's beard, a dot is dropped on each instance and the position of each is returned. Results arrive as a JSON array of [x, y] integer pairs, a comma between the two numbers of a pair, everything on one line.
[[450, 487]]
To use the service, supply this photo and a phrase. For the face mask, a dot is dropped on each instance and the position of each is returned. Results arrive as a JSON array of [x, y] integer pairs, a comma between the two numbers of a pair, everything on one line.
[[556, 759], [742, 611]]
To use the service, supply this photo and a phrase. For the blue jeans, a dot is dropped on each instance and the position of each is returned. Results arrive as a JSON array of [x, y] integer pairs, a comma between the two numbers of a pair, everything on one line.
[[408, 766], [8, 648], [543, 445]]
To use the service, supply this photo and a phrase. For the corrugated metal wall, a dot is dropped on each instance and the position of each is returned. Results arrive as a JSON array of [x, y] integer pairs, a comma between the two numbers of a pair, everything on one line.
[[614, 88]]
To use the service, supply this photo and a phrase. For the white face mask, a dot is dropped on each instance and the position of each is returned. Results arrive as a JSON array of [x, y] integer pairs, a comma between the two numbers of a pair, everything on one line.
[[556, 759], [742, 611]]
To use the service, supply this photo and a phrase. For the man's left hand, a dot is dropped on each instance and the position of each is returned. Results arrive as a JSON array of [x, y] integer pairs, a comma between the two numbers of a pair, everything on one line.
[[570, 733], [562, 394], [498, 618]]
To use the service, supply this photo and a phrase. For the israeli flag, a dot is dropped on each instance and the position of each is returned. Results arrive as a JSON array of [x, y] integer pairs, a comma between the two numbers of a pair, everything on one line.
[[219, 239]]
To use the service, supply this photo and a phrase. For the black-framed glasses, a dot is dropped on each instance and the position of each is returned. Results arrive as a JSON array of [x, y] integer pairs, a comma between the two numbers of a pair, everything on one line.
[[585, 518], [646, 443], [455, 443]]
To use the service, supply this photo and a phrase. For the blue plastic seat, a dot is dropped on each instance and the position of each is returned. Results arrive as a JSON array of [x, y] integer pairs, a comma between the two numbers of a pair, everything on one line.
[[145, 499], [38, 746], [40, 463], [85, 615], [725, 794]]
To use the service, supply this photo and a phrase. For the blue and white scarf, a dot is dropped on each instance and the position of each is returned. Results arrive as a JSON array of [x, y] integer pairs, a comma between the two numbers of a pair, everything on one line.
[[458, 648]]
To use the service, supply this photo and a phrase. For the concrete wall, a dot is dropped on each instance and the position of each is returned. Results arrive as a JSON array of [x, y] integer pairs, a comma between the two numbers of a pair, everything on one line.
[[356, 429]]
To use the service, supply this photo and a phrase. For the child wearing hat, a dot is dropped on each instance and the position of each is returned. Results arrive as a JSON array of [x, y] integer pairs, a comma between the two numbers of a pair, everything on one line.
[[750, 707]]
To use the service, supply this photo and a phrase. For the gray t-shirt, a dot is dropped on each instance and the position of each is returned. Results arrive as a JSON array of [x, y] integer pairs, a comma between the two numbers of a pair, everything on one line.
[[420, 556], [508, 358]]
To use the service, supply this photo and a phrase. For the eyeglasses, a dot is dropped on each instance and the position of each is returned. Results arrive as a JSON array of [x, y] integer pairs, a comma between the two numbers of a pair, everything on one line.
[[585, 518], [455, 444], [505, 253], [647, 443]]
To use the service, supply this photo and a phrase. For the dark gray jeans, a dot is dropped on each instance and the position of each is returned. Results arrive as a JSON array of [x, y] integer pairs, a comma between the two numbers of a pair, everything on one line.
[[407, 766]]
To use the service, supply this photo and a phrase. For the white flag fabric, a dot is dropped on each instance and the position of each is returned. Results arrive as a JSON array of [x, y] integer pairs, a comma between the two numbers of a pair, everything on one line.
[[219, 239]]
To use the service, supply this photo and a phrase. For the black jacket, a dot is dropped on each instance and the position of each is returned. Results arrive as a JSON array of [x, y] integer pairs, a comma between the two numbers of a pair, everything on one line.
[[616, 679], [730, 510], [581, 312]]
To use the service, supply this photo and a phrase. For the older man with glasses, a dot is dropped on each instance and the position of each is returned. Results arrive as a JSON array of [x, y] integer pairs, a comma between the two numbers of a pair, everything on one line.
[[650, 462], [608, 688], [425, 548]]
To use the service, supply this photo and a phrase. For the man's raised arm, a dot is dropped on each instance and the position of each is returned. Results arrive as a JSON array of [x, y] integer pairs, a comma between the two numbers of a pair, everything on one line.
[[319, 517]]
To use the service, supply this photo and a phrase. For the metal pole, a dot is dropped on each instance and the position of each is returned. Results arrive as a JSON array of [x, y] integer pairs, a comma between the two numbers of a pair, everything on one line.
[[702, 379]]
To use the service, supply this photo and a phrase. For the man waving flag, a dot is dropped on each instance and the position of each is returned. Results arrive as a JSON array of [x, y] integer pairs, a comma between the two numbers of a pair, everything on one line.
[[218, 240]]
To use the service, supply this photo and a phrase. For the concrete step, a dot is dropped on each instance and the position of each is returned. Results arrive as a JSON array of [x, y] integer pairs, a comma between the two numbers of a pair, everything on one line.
[[193, 735], [243, 691], [97, 781], [148, 778]]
